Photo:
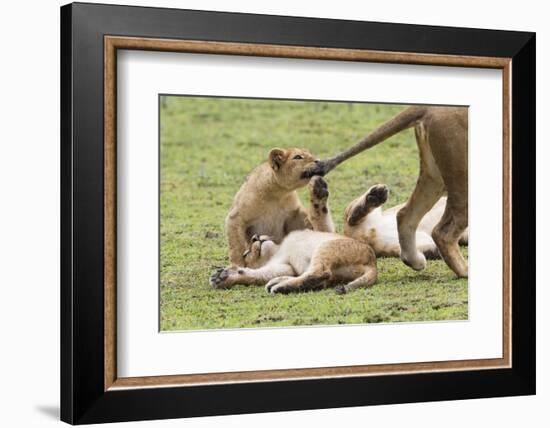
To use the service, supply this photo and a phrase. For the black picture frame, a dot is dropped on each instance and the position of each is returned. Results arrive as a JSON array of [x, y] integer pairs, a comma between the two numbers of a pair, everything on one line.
[[83, 398]]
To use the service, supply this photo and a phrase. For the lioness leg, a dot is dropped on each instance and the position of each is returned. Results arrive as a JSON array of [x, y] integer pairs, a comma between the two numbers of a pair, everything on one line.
[[329, 257], [429, 188], [225, 278], [447, 234], [449, 143], [426, 193]]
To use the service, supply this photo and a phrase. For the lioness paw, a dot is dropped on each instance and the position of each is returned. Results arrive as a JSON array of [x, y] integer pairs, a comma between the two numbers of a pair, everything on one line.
[[414, 261]]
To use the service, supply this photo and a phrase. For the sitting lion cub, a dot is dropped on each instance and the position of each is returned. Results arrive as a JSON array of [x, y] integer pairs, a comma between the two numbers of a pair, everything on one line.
[[305, 260], [267, 203]]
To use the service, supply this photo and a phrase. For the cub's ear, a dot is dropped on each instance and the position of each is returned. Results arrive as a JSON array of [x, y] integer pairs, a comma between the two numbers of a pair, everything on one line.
[[277, 157]]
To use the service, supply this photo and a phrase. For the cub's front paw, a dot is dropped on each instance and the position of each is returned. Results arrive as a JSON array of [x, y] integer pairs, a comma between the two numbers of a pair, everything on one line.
[[221, 278], [318, 189]]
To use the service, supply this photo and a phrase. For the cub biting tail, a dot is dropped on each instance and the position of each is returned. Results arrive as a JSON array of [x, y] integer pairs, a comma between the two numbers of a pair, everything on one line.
[[267, 202]]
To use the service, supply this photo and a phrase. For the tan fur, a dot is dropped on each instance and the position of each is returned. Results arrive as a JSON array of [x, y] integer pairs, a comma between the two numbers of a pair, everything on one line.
[[442, 139], [305, 260], [267, 203]]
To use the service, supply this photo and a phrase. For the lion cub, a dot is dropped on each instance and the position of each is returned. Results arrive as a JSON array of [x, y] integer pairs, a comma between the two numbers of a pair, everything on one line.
[[267, 203], [305, 260], [365, 220]]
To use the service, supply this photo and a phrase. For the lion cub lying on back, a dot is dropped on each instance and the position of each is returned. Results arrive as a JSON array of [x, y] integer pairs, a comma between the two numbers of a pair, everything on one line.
[[305, 260], [364, 220]]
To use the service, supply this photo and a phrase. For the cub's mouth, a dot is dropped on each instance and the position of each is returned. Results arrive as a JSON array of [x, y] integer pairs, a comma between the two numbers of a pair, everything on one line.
[[322, 167], [318, 169]]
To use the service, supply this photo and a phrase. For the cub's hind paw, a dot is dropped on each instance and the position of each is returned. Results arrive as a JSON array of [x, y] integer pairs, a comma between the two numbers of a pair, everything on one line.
[[432, 254], [377, 195], [283, 287], [274, 281], [341, 289]]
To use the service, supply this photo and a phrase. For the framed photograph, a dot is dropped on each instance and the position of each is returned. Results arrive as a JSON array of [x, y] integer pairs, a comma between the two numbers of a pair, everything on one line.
[[266, 213]]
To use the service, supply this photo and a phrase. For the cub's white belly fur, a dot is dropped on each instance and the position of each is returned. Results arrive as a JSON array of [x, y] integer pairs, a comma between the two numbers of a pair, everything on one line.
[[298, 247], [382, 230], [379, 229]]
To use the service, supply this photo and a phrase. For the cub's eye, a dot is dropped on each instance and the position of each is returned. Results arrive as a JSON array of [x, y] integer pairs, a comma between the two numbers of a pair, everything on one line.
[[298, 157]]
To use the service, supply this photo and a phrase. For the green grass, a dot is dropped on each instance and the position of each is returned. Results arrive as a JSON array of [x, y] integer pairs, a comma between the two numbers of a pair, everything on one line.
[[207, 148]]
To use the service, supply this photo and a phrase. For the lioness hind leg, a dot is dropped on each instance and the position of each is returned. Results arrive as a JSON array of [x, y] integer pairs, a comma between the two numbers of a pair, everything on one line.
[[319, 212], [429, 188], [447, 234], [449, 143]]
